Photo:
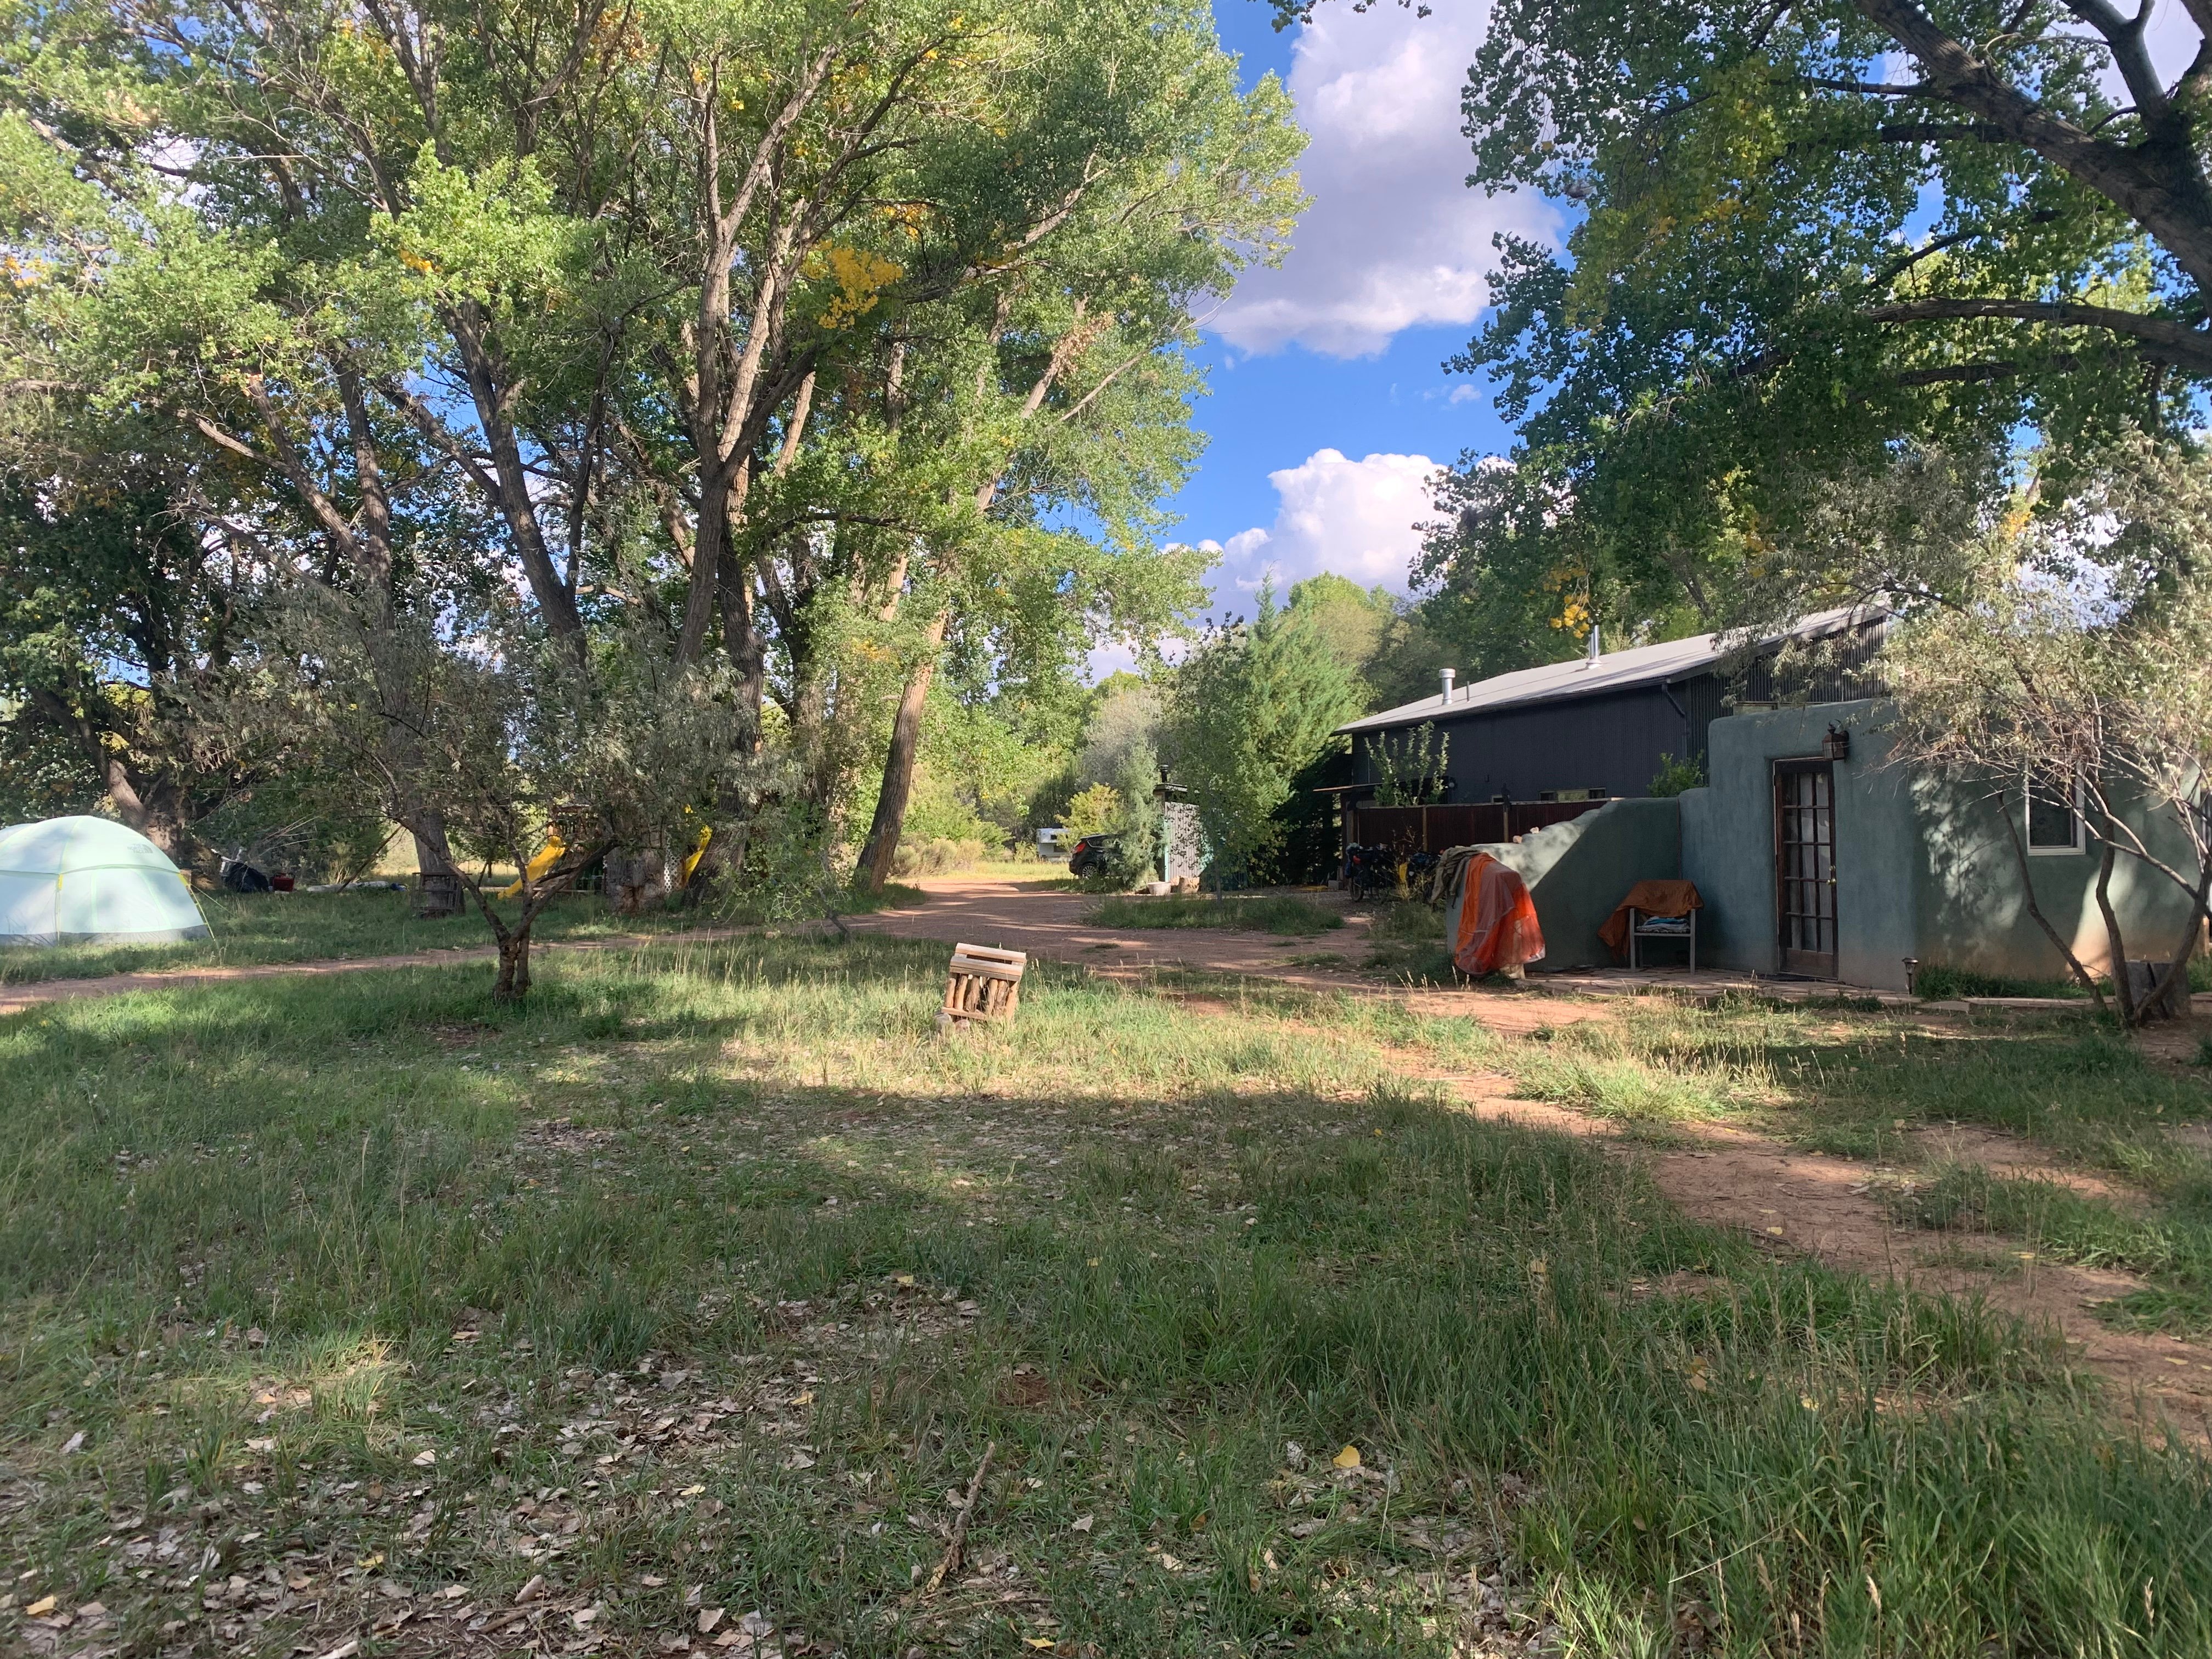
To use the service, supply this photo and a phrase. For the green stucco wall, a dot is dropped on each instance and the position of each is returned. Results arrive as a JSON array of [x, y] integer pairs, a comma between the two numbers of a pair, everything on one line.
[[1973, 909], [1923, 866], [1578, 870], [1728, 838]]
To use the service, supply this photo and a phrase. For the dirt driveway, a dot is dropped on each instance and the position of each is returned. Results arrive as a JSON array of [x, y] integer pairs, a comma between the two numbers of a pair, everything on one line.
[[1034, 917]]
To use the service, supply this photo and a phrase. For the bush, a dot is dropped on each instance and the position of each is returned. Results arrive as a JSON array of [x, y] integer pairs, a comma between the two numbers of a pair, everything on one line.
[[938, 855], [1674, 777], [1096, 810]]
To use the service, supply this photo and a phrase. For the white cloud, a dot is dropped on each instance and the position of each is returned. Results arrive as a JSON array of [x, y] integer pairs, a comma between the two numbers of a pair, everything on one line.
[[1395, 238], [1355, 518]]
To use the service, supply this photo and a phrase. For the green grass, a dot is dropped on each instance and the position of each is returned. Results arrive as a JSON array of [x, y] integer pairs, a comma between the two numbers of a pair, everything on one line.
[[1407, 944], [710, 1266], [273, 928], [1269, 913], [2171, 1245], [265, 927], [1859, 1086], [1938, 983]]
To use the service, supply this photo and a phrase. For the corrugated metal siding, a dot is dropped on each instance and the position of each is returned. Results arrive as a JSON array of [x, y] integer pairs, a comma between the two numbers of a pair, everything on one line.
[[1611, 742]]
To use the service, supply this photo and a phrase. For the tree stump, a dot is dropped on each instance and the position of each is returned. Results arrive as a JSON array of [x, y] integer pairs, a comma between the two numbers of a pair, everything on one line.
[[984, 984]]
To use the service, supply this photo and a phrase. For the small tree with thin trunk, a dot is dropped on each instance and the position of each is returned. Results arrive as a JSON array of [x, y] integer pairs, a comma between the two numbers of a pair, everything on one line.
[[2088, 681], [487, 744]]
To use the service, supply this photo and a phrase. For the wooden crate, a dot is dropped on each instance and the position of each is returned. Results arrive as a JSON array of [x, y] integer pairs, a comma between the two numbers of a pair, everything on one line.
[[984, 984]]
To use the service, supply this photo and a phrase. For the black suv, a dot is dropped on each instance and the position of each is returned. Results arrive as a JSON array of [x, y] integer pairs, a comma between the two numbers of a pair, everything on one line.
[[1089, 854]]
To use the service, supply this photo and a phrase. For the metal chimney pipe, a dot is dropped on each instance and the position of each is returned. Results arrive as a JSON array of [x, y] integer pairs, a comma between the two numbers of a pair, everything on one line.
[[1449, 675], [1596, 650]]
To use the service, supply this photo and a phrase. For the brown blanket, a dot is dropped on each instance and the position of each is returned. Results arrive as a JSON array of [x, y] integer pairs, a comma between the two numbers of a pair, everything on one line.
[[1653, 898]]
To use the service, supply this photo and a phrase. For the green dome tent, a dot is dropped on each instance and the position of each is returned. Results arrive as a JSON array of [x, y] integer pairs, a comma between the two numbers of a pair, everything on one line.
[[88, 881]]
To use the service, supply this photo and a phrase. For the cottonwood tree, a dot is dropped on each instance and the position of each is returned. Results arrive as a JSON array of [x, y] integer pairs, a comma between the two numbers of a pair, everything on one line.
[[1801, 233], [320, 245], [951, 243]]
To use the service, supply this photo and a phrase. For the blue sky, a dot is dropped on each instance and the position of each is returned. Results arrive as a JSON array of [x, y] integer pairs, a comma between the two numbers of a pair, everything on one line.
[[1330, 405]]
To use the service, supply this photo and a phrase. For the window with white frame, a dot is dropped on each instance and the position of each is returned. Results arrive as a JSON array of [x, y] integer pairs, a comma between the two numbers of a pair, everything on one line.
[[2054, 817]]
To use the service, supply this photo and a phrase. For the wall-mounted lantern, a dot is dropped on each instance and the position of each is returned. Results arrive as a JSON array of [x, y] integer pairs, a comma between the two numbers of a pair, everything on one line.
[[1837, 745]]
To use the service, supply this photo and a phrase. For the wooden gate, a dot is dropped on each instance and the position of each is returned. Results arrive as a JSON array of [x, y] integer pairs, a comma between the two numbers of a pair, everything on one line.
[[1805, 865]]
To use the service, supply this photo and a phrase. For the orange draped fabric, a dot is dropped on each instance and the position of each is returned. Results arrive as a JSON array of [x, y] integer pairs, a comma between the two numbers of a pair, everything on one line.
[[1653, 898], [1497, 920]]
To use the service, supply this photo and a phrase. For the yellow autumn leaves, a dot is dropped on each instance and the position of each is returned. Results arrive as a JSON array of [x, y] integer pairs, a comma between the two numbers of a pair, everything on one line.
[[861, 276]]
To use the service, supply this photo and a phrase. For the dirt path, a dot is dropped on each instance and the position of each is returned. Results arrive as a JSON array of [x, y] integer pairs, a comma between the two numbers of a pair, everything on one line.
[[1032, 917], [1788, 1202], [981, 911]]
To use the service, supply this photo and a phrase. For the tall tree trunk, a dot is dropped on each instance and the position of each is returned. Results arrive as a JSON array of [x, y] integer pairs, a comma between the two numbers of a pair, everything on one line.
[[439, 891], [747, 647], [884, 831]]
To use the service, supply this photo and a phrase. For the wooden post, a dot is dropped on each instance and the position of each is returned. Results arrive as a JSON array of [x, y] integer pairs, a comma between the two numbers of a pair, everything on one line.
[[984, 983]]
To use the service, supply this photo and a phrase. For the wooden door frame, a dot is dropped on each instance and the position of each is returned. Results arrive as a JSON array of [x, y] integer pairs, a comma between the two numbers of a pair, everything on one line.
[[1819, 965]]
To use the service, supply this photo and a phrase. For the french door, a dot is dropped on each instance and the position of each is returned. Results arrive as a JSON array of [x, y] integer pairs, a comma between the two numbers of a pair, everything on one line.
[[1805, 865]]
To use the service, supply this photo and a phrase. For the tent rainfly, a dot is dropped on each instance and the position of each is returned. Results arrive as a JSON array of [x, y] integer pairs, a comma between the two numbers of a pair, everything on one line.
[[88, 881]]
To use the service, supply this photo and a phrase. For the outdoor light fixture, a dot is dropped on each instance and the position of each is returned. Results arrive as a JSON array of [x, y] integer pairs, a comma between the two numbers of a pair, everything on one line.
[[1837, 745]]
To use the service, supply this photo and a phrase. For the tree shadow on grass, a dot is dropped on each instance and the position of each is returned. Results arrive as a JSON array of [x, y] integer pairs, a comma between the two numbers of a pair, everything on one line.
[[1598, 1400]]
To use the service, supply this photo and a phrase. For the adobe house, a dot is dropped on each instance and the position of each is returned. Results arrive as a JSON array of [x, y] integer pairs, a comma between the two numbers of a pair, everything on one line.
[[1814, 858]]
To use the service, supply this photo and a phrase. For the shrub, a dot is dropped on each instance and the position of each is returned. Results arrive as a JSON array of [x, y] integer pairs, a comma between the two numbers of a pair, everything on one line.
[[936, 856]]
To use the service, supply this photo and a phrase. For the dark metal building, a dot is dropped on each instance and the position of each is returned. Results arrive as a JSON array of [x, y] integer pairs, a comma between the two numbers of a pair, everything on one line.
[[1598, 727]]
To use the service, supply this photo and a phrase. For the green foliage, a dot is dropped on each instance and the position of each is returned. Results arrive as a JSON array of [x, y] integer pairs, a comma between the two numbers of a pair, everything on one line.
[[1250, 707], [1385, 642], [1781, 268], [1409, 765], [315, 828], [115, 616], [1094, 811], [1674, 776], [789, 390]]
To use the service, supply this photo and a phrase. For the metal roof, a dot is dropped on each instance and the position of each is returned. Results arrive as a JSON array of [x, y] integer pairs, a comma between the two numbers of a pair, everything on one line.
[[1610, 671]]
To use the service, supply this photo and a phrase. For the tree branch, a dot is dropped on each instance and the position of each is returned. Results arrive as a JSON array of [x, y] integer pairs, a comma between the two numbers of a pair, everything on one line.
[[2160, 338]]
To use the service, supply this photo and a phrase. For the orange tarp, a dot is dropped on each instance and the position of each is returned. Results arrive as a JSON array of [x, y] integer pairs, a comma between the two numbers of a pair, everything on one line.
[[1653, 898], [1497, 920]]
